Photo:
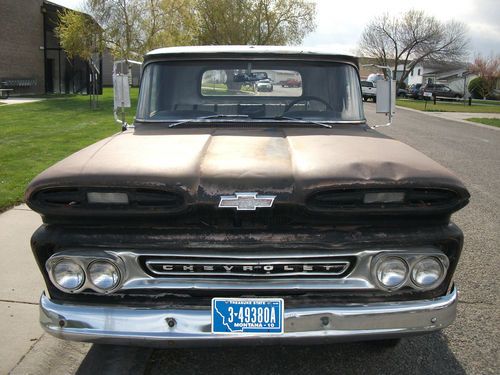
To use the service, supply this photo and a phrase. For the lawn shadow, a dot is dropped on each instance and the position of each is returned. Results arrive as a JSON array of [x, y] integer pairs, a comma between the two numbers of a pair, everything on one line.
[[416, 355]]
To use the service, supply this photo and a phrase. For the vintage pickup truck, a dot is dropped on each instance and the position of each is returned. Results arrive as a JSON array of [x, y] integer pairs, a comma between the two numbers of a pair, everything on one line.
[[228, 215], [369, 90]]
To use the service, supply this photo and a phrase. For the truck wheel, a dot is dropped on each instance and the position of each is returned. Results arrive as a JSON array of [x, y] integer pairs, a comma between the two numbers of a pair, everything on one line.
[[374, 99]]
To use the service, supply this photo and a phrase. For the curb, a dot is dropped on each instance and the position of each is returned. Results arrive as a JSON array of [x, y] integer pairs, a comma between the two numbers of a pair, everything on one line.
[[433, 114]]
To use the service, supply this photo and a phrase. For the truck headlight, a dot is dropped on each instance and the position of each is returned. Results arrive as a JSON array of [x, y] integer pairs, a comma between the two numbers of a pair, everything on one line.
[[103, 275], [68, 275], [427, 272], [391, 272]]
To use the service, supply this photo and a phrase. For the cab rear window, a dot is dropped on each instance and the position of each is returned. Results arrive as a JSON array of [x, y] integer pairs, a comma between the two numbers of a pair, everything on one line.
[[238, 82]]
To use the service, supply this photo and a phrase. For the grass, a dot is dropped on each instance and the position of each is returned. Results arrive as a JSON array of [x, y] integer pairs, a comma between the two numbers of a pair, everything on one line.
[[448, 106], [221, 89], [486, 121], [36, 135], [486, 102]]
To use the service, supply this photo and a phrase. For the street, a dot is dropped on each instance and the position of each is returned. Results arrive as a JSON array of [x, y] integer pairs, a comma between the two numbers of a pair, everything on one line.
[[469, 346]]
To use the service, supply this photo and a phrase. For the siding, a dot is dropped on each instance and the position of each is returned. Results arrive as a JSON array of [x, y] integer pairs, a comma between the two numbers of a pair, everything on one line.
[[22, 36]]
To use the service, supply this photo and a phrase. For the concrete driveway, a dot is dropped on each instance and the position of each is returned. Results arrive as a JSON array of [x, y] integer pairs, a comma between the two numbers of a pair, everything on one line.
[[17, 100], [469, 346]]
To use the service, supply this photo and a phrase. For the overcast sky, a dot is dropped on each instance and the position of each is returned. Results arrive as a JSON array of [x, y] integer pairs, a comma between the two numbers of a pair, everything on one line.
[[340, 22]]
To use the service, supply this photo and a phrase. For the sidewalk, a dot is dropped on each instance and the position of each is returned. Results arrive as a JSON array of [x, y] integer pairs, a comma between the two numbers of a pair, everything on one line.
[[24, 348], [20, 100], [458, 116]]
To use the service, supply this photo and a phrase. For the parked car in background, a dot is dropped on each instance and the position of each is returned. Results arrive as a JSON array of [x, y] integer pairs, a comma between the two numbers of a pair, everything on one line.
[[439, 90], [291, 83], [413, 90], [402, 93], [252, 77], [265, 85], [369, 90]]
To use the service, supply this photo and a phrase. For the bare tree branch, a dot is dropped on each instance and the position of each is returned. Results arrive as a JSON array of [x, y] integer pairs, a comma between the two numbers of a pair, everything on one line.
[[413, 38]]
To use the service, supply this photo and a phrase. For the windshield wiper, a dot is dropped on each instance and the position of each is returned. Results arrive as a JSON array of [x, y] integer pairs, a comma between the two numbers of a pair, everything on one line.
[[197, 119], [302, 121], [295, 119]]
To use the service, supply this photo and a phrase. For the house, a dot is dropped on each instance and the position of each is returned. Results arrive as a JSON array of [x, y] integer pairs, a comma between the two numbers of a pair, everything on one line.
[[455, 76], [31, 58]]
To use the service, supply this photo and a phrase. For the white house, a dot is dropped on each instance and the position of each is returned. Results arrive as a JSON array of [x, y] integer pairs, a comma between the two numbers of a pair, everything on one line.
[[455, 76]]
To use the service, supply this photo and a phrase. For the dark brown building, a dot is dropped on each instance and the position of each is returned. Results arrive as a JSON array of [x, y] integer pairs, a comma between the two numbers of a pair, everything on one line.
[[31, 58]]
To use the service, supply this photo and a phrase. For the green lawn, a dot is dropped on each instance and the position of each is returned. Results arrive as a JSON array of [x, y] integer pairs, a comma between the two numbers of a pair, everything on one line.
[[34, 136], [486, 121], [448, 106], [486, 102], [221, 89]]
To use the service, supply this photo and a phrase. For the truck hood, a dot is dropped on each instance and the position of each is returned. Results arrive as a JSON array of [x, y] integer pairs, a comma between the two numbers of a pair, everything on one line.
[[206, 163]]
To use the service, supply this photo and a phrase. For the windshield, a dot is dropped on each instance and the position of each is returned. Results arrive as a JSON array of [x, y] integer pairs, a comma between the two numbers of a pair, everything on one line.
[[252, 90]]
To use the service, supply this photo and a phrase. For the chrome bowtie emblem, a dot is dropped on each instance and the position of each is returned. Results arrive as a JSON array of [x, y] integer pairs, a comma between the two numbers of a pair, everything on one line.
[[246, 201]]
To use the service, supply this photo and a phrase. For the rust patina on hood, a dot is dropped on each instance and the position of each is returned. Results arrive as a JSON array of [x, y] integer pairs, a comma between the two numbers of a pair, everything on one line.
[[204, 163]]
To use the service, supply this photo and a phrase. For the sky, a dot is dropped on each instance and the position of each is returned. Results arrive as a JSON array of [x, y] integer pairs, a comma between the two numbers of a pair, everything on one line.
[[341, 22]]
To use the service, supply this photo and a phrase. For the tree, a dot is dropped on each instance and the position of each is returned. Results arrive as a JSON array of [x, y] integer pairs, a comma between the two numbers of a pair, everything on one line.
[[412, 39], [477, 88], [259, 22], [130, 28], [133, 27], [488, 70], [79, 35]]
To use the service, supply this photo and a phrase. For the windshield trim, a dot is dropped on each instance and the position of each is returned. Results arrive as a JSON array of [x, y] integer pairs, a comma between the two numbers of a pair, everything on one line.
[[252, 120], [337, 59]]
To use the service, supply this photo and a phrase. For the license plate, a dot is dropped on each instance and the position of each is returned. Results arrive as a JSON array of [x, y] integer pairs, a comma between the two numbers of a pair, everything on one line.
[[247, 315]]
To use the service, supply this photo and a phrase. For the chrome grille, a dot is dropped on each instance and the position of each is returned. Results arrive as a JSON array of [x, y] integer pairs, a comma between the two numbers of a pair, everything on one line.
[[256, 266], [350, 271]]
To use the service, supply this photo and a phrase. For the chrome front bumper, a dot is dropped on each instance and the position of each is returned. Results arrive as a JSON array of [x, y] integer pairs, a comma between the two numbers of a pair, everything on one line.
[[149, 326]]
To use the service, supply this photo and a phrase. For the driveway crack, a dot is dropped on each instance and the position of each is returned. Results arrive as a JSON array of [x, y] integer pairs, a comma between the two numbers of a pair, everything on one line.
[[23, 302]]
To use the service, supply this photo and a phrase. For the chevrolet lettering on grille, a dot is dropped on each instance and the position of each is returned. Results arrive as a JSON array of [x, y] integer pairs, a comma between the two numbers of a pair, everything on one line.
[[335, 268], [246, 201]]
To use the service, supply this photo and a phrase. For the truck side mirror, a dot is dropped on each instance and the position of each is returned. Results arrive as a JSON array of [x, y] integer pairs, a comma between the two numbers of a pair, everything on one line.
[[121, 89], [386, 96]]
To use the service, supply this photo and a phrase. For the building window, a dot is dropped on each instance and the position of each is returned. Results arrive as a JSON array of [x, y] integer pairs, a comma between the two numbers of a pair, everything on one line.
[[411, 73], [418, 72]]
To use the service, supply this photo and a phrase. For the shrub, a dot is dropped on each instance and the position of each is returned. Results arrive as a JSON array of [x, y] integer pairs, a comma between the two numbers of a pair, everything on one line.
[[478, 88]]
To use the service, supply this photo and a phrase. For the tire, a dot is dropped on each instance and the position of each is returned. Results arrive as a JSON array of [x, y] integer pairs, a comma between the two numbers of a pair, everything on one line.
[[374, 99], [364, 98]]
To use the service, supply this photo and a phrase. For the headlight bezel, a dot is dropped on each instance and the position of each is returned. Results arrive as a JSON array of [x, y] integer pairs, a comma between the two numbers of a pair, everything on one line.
[[411, 259], [84, 262]]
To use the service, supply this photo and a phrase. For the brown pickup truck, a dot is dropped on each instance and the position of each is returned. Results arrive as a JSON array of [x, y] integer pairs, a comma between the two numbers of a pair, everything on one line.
[[226, 215]]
